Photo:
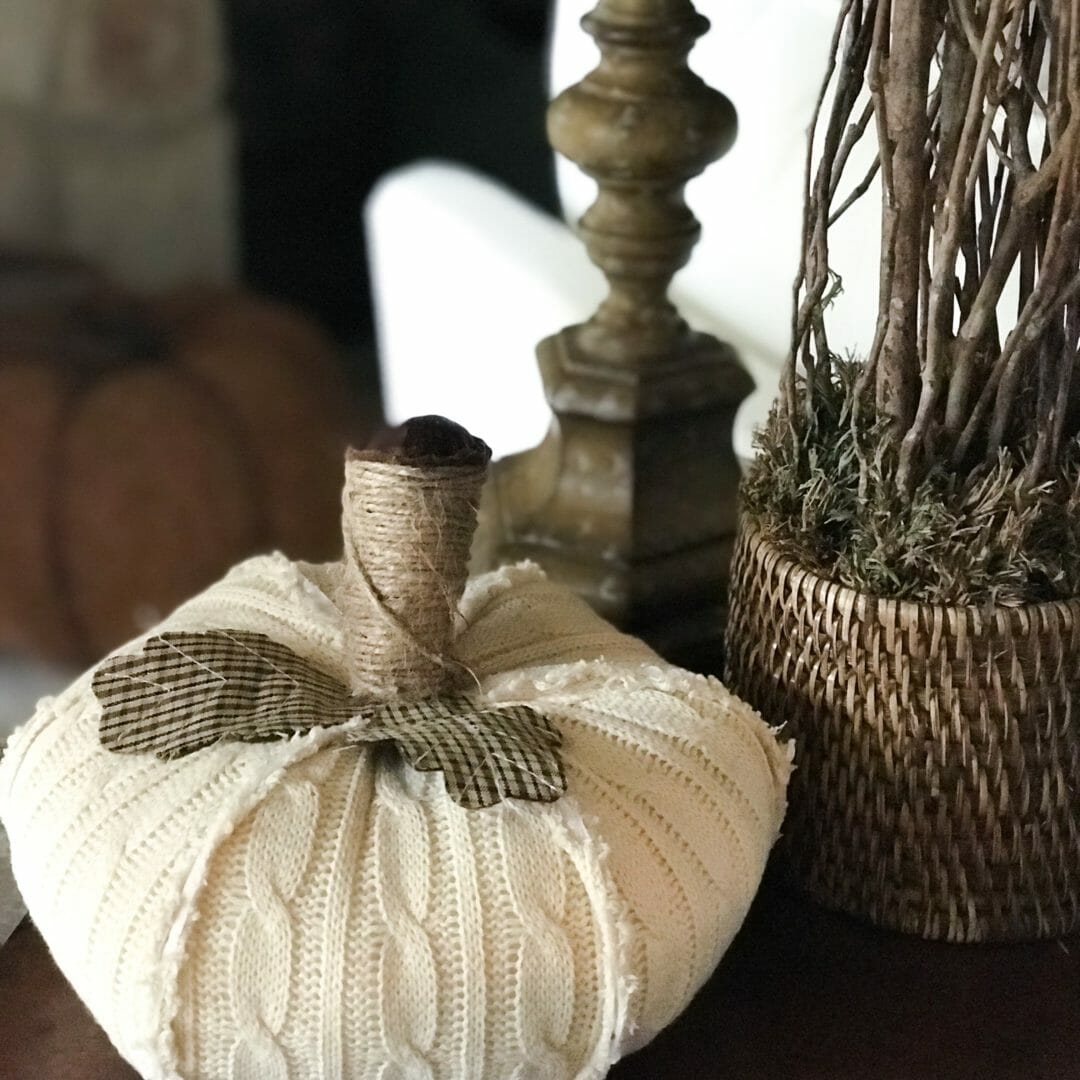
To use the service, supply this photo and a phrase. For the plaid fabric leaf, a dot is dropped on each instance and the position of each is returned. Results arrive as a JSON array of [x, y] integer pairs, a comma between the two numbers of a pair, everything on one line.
[[185, 691], [486, 754], [189, 690]]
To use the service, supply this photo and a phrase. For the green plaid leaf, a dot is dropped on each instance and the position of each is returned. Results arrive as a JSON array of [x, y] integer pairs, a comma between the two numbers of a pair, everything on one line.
[[486, 754], [186, 691]]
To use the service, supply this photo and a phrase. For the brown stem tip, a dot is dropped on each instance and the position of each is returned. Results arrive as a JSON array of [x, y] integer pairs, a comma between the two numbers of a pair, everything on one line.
[[427, 441]]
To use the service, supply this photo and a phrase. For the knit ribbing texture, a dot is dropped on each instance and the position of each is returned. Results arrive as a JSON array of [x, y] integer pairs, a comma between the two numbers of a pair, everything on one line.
[[304, 910]]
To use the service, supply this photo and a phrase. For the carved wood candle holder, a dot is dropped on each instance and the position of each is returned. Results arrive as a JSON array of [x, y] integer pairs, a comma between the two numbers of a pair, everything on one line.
[[631, 497]]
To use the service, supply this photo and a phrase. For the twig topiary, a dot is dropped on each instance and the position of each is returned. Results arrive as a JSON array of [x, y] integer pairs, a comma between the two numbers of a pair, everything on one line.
[[943, 464]]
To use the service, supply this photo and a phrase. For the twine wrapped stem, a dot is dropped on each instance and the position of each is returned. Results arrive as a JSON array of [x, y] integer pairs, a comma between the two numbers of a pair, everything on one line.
[[408, 517]]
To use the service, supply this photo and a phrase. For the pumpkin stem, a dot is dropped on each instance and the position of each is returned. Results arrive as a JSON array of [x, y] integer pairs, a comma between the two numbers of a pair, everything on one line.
[[408, 518]]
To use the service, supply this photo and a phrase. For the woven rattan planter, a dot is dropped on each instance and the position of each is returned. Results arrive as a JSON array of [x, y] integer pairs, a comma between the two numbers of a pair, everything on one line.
[[937, 788]]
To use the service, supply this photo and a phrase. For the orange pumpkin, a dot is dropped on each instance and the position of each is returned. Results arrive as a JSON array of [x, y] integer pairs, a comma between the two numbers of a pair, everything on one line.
[[148, 444]]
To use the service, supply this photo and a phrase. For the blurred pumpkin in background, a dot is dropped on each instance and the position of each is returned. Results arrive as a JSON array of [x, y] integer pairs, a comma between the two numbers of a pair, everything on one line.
[[146, 444]]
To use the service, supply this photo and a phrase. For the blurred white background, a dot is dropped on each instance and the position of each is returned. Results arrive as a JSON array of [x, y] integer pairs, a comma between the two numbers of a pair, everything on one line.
[[468, 277]]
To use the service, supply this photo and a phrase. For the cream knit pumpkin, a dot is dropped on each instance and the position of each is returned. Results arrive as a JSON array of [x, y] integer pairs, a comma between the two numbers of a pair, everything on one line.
[[257, 912], [311, 909]]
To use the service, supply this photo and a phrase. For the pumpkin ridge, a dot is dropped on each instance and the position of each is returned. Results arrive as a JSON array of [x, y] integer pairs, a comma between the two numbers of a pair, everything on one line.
[[751, 733], [543, 937], [82, 381], [107, 395], [229, 815], [349, 842], [603, 790], [612, 918], [664, 824], [687, 747], [259, 991], [73, 776], [553, 627], [670, 770], [22, 744], [102, 802], [463, 848], [403, 912], [164, 880]]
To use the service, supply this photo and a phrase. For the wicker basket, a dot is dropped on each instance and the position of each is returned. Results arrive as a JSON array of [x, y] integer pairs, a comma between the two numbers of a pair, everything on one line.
[[937, 788]]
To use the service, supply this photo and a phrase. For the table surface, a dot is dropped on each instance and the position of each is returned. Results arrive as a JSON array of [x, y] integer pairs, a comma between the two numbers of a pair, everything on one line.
[[802, 995]]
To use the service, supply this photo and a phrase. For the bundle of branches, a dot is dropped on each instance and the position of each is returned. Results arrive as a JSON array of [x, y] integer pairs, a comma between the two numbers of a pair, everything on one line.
[[943, 464]]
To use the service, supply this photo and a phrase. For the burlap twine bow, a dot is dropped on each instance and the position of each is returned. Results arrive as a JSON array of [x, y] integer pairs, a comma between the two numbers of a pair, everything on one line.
[[409, 513]]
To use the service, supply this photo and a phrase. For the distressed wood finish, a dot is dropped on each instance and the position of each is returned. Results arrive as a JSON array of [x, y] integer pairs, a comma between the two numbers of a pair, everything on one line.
[[631, 498]]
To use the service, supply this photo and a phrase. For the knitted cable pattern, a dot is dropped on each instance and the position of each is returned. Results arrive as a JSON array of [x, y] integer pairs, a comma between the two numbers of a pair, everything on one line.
[[309, 911], [408, 999], [261, 954], [544, 958]]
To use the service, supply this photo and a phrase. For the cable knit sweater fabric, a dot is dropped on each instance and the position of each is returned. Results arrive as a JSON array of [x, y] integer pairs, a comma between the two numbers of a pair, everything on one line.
[[306, 910]]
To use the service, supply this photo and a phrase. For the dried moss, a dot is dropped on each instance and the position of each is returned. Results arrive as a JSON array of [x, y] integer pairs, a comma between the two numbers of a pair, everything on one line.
[[983, 536]]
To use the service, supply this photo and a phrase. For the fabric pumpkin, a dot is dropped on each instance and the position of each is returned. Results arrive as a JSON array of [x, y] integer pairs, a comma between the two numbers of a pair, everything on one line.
[[310, 906], [147, 446]]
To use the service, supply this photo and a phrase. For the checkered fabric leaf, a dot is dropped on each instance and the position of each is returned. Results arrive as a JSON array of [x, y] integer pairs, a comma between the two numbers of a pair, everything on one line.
[[185, 691], [486, 754]]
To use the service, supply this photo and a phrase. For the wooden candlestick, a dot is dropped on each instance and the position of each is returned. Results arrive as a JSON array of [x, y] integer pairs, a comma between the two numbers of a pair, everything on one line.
[[631, 497]]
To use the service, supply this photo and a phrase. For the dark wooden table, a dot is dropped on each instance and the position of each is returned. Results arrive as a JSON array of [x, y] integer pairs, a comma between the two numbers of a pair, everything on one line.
[[802, 995]]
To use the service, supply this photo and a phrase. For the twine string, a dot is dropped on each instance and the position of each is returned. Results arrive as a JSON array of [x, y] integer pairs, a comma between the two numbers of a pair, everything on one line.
[[408, 529]]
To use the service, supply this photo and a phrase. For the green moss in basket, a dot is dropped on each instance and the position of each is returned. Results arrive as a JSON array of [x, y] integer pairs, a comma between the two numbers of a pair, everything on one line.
[[984, 535]]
